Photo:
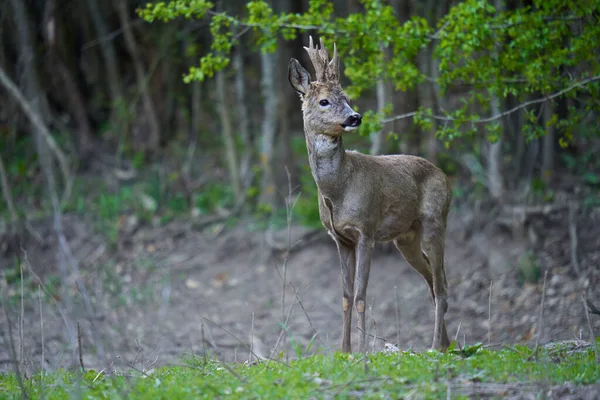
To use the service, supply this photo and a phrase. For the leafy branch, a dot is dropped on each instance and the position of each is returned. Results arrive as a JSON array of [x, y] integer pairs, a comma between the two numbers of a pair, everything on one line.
[[497, 53]]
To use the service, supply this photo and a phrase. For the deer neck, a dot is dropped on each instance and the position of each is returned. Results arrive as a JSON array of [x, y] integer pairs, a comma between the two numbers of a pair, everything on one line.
[[327, 159]]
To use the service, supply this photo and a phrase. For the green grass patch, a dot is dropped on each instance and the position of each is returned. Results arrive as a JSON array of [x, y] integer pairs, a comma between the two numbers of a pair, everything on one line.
[[397, 375]]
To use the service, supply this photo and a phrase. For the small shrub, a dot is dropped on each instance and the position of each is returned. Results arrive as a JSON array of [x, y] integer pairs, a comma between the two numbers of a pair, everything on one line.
[[212, 196], [529, 269]]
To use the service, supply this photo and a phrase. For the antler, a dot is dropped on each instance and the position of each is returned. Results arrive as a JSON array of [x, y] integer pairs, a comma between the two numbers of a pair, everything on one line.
[[333, 70], [325, 70]]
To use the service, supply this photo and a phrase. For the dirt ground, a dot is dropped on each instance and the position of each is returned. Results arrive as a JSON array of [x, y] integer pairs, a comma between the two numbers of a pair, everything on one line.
[[175, 290]]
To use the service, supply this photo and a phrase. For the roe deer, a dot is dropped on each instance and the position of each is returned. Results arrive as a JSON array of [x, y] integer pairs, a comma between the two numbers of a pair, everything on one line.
[[364, 199]]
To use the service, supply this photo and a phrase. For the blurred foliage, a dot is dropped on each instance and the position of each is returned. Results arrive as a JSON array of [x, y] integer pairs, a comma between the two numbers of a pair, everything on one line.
[[536, 52], [542, 51]]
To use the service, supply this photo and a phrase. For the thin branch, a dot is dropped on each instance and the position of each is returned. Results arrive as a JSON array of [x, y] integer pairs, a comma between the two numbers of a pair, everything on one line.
[[593, 309], [283, 330], [315, 333], [397, 316], [251, 340], [233, 336], [457, 332], [541, 319], [566, 18], [42, 330], [320, 28], [592, 336], [573, 237], [6, 191], [43, 357], [22, 326], [13, 352], [39, 125], [110, 36], [374, 336], [490, 314], [288, 209], [79, 350], [397, 117], [540, 100], [502, 114]]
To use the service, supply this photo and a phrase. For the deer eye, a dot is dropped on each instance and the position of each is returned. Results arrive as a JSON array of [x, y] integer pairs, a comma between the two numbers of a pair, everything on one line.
[[324, 102]]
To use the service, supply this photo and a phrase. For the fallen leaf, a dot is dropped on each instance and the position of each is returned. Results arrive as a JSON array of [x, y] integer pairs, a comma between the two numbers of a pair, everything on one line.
[[220, 280]]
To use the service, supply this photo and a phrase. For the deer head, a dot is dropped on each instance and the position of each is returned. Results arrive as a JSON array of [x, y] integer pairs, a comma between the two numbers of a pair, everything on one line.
[[325, 106]]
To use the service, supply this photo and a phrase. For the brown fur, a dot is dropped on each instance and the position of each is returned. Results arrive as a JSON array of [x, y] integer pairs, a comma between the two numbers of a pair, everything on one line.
[[364, 199]]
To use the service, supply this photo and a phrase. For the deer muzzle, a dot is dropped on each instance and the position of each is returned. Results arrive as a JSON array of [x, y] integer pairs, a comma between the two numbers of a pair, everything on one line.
[[352, 122]]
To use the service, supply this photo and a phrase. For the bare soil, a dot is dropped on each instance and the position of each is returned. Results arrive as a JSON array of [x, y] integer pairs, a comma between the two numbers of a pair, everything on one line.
[[169, 291]]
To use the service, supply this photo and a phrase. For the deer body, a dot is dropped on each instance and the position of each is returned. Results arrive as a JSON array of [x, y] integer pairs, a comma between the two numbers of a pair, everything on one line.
[[364, 199]]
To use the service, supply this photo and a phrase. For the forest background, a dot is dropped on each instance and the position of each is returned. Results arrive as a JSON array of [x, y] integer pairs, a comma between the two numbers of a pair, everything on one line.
[[121, 120]]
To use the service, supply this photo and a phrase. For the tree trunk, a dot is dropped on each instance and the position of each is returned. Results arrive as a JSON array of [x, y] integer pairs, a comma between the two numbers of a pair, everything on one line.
[[548, 144], [140, 75], [32, 111], [36, 98], [226, 126], [196, 111], [427, 100], [408, 101], [438, 99], [286, 157], [108, 53], [494, 159], [84, 138], [269, 125], [8, 197], [242, 112], [520, 147], [429, 92], [377, 137]]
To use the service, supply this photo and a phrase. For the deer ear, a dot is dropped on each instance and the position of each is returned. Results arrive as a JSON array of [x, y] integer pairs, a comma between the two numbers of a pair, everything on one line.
[[298, 77]]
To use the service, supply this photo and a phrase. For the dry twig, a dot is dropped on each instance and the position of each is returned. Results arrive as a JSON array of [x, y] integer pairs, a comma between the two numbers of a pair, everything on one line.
[[39, 125], [281, 333], [541, 319], [79, 350], [232, 335], [589, 323], [6, 191], [13, 350], [490, 314], [375, 337], [42, 331], [315, 333], [592, 308], [251, 340], [573, 237], [22, 326]]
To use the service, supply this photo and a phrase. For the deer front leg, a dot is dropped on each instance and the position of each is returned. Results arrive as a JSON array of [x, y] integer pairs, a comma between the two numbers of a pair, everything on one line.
[[348, 262], [364, 252]]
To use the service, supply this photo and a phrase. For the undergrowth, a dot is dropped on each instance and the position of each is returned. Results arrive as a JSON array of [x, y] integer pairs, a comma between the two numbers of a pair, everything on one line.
[[394, 375]]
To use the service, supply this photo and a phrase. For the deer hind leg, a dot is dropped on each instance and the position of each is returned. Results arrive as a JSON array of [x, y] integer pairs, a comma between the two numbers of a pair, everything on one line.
[[364, 252], [433, 245], [348, 263], [409, 245]]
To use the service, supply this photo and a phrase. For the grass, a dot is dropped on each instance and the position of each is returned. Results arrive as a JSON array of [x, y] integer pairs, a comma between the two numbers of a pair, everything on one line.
[[405, 374]]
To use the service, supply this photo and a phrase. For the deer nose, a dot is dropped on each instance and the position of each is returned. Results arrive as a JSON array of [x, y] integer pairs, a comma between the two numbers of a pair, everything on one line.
[[353, 120]]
